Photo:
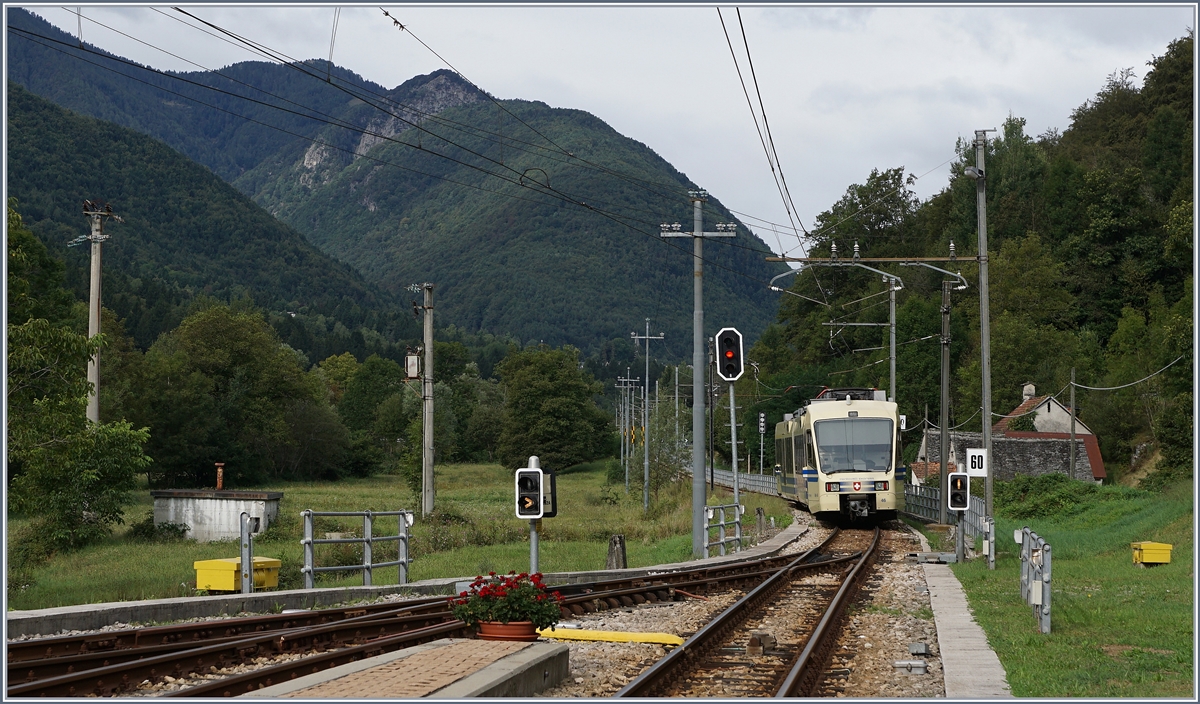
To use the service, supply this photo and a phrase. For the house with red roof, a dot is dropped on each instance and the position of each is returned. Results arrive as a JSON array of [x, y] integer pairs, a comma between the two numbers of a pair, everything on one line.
[[1043, 450]]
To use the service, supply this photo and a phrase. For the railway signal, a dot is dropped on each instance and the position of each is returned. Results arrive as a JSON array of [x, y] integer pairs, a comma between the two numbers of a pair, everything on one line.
[[529, 493], [729, 354], [960, 491]]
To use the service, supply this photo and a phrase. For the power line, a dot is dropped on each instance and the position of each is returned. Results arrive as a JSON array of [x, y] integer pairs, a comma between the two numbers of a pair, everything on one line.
[[519, 179], [1134, 383]]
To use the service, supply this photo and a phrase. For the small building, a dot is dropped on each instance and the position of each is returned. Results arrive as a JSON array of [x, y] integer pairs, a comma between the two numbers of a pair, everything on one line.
[[1015, 452], [212, 515]]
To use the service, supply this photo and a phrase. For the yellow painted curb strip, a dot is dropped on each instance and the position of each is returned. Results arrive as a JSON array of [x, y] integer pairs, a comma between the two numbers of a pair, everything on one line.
[[610, 636]]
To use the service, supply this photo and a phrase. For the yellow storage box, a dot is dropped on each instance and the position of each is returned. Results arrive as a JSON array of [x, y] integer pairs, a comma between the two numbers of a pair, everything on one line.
[[223, 575], [1148, 553]]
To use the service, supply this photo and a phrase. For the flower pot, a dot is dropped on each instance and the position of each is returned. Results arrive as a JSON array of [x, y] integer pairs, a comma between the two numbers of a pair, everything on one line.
[[513, 630]]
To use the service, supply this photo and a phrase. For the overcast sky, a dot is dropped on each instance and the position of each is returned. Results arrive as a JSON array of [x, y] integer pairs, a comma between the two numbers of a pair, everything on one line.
[[846, 89]]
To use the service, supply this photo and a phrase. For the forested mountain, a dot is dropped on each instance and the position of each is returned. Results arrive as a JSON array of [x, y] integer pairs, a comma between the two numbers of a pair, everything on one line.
[[186, 234], [531, 221], [1090, 236]]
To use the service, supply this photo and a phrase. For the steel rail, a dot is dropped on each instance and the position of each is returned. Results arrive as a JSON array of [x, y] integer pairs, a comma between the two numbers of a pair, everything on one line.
[[216, 630], [355, 630], [124, 675], [65, 664], [288, 671], [120, 668], [647, 684], [805, 675], [197, 633]]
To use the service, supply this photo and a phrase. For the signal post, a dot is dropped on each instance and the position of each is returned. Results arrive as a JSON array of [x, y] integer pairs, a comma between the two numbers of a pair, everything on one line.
[[730, 368], [534, 490]]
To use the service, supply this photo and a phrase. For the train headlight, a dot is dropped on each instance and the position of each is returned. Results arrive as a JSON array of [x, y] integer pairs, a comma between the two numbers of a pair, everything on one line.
[[881, 486], [833, 487]]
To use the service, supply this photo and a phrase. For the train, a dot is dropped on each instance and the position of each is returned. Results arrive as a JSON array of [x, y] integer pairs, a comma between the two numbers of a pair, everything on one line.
[[839, 456]]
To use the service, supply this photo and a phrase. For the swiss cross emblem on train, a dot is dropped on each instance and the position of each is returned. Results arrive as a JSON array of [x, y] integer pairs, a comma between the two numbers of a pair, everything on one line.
[[857, 486]]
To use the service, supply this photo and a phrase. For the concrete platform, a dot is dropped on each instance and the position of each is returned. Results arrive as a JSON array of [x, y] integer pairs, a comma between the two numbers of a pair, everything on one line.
[[970, 667], [451, 668]]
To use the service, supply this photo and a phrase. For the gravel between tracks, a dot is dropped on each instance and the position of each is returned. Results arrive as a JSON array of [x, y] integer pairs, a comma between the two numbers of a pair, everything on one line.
[[895, 613]]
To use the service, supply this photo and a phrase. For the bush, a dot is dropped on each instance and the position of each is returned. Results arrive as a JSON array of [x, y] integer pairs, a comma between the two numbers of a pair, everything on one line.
[[1052, 496], [145, 530]]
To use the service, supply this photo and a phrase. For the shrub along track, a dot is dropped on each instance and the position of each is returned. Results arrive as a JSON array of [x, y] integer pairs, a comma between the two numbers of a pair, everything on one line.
[[120, 661], [776, 640]]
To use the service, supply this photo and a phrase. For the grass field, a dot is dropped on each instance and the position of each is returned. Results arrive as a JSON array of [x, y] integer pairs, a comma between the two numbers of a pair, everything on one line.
[[472, 531], [1117, 629]]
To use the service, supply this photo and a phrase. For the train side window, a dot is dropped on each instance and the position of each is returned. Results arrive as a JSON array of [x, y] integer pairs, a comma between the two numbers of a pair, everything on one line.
[[809, 449], [798, 450]]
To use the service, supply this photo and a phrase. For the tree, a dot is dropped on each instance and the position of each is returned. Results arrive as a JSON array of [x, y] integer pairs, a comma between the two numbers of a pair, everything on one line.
[[71, 476], [337, 372], [224, 388], [375, 380], [549, 410]]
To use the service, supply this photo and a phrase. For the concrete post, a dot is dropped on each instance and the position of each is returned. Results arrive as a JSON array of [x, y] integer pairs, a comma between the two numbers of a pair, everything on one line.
[[699, 394], [427, 488], [985, 335]]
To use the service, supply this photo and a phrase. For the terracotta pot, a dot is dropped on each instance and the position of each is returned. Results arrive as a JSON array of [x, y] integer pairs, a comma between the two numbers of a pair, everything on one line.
[[513, 630]]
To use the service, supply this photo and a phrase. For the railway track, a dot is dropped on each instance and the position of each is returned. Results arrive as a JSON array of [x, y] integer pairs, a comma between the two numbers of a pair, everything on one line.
[[775, 640], [119, 661]]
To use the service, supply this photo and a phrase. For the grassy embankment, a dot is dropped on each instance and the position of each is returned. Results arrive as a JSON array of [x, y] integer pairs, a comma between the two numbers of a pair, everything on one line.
[[473, 531], [1117, 629]]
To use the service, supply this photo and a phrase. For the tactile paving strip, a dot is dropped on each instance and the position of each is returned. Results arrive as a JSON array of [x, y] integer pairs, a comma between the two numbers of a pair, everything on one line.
[[417, 675]]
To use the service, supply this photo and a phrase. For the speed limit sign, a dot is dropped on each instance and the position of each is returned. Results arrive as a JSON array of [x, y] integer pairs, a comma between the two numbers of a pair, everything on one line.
[[977, 462]]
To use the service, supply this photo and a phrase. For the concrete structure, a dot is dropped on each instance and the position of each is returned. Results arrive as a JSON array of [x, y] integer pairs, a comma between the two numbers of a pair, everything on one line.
[[450, 668], [970, 668], [212, 515]]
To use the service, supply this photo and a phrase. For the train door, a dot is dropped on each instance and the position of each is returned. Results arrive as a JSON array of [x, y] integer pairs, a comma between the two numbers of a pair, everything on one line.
[[801, 479], [787, 479], [810, 470]]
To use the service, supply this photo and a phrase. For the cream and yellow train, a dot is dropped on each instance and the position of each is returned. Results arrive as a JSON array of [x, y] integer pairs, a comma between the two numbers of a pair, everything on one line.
[[840, 456]]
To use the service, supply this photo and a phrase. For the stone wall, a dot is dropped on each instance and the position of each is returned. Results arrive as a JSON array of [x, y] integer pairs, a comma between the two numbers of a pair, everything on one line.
[[1021, 455]]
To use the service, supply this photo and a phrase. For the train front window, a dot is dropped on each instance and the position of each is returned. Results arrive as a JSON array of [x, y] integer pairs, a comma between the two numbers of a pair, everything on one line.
[[854, 444]]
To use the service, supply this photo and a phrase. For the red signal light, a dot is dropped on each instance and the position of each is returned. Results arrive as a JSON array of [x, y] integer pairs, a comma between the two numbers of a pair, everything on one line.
[[728, 354]]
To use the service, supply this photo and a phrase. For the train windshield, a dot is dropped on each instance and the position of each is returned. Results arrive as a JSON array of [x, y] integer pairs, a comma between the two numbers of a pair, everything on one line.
[[854, 444]]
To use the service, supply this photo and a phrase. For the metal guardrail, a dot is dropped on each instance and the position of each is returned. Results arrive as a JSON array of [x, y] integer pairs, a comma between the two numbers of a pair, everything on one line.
[[404, 520], [714, 511], [1035, 575], [757, 483]]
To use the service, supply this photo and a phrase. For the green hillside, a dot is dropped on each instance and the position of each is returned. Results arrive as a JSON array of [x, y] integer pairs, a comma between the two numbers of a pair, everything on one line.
[[183, 113], [535, 222], [518, 259], [186, 234]]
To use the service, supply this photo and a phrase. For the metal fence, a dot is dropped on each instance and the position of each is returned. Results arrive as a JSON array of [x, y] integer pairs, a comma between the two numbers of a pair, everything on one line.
[[924, 502], [368, 540], [718, 512], [757, 483], [1035, 576]]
